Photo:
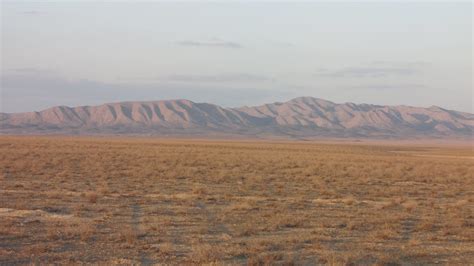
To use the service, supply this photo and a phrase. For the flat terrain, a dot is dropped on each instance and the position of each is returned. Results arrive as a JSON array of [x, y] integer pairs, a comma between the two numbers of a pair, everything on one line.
[[145, 201]]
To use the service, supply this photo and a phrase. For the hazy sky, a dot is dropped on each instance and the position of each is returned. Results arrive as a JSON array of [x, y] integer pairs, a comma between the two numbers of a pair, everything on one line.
[[233, 54]]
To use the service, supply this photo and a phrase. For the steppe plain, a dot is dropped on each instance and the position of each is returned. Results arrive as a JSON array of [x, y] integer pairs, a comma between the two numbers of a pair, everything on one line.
[[112, 200]]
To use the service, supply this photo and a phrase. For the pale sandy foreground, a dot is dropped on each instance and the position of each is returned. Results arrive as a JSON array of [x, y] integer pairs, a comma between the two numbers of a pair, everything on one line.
[[150, 201]]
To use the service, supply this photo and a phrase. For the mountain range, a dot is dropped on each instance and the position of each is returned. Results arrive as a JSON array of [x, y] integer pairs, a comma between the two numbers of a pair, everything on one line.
[[299, 118]]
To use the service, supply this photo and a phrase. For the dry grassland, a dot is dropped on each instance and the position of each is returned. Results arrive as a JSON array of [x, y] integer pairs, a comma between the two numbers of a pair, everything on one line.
[[145, 201]]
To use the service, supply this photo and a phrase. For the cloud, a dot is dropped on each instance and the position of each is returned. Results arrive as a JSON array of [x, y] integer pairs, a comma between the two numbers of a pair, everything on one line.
[[33, 91], [214, 43], [283, 44], [28, 70], [370, 72], [36, 82], [375, 69], [411, 64], [389, 86], [237, 77], [196, 79], [32, 12]]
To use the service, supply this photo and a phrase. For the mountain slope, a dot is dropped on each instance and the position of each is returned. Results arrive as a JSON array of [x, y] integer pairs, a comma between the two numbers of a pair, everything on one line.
[[301, 117], [364, 119]]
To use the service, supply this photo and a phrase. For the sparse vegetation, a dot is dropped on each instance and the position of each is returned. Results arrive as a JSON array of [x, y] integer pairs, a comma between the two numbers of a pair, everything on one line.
[[130, 201]]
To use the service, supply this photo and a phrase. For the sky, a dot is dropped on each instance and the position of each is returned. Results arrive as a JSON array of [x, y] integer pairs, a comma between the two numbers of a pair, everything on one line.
[[235, 53]]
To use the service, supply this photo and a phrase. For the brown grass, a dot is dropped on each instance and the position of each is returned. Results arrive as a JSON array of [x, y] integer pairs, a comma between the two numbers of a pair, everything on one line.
[[92, 197], [107, 201]]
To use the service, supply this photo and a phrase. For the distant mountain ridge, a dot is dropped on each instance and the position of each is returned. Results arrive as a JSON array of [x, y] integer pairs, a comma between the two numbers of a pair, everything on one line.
[[303, 117]]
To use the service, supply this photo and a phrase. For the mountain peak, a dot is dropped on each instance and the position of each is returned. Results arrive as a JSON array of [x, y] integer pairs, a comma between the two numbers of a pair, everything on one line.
[[310, 99], [436, 108]]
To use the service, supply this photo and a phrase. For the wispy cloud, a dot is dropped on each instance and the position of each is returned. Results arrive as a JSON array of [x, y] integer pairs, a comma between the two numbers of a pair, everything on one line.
[[283, 44], [237, 77], [32, 12], [215, 43], [410, 64], [35, 91], [374, 69], [389, 86], [28, 70], [217, 78], [372, 72]]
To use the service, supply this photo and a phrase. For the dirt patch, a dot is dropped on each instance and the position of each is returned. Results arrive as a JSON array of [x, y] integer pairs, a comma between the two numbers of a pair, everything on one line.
[[31, 215]]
